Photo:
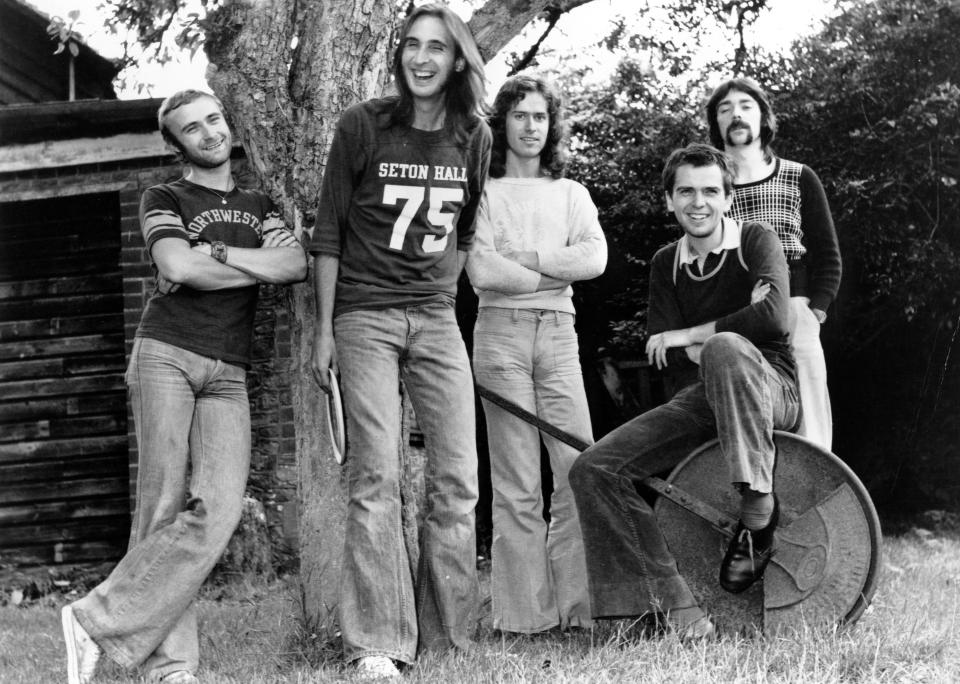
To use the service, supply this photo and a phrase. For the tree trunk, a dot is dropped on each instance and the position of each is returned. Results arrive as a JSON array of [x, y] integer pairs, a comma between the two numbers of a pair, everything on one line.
[[286, 69]]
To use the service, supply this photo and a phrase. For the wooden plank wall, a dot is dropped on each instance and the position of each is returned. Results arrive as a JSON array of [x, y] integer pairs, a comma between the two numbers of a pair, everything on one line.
[[63, 418]]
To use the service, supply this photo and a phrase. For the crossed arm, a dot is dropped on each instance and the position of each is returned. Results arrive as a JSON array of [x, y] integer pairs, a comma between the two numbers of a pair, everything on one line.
[[483, 275], [521, 272], [765, 317], [280, 259], [692, 339]]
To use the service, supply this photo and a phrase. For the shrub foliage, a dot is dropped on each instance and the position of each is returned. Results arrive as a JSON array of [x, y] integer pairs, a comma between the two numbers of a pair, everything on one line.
[[871, 104]]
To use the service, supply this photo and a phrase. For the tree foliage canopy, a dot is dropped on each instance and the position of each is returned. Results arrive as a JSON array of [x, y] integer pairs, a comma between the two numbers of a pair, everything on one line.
[[871, 104]]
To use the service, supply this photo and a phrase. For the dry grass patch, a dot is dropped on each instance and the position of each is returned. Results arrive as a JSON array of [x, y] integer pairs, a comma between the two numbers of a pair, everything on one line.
[[251, 635]]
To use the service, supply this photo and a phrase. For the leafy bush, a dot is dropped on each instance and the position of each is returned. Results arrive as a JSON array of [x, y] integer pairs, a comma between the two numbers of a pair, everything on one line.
[[872, 104]]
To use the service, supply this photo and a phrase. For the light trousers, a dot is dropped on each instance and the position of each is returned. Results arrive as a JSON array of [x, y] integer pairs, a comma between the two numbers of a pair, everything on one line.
[[531, 357], [191, 415], [816, 423]]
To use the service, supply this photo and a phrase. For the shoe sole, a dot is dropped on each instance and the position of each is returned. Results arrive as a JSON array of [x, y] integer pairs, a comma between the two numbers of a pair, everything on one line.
[[70, 637]]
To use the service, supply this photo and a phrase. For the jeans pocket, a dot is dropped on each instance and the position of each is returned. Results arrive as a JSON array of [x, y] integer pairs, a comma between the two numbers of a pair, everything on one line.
[[128, 376], [492, 353]]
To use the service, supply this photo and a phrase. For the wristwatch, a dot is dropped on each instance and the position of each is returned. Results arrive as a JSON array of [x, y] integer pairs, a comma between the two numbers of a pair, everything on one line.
[[218, 251]]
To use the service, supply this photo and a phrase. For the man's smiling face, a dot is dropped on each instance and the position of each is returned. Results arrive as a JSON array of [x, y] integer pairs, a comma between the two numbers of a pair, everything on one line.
[[428, 58], [698, 199], [201, 129]]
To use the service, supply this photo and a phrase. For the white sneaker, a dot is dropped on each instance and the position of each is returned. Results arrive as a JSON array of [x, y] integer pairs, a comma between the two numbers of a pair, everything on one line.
[[82, 651], [376, 667]]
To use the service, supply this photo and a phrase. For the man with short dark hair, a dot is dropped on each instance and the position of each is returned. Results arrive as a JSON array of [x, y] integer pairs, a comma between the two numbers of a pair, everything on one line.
[[701, 311], [789, 197], [211, 244]]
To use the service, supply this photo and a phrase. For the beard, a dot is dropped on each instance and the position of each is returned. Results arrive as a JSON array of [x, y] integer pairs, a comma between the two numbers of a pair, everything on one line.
[[205, 162], [737, 126]]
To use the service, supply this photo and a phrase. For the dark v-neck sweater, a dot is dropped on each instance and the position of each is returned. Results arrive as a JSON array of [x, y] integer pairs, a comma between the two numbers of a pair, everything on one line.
[[682, 297]]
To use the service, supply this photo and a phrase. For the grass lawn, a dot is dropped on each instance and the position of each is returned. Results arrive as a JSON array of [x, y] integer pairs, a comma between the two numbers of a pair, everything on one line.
[[251, 635]]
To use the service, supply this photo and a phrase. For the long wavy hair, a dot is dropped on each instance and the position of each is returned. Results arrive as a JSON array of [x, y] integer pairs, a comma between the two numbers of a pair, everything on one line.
[[465, 90], [553, 158], [768, 120]]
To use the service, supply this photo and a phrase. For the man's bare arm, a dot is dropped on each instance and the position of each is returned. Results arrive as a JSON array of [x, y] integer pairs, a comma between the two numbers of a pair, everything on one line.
[[326, 267]]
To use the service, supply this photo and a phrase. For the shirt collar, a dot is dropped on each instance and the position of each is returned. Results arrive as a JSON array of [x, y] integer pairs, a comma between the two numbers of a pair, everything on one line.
[[731, 240]]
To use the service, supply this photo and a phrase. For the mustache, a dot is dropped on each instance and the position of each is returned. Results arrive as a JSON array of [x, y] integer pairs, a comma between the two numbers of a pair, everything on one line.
[[738, 124]]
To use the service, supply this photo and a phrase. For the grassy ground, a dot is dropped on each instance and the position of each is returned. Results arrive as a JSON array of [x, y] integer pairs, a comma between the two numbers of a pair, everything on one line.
[[250, 635]]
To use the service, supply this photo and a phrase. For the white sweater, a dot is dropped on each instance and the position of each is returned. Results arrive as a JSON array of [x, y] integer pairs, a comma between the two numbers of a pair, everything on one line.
[[554, 217]]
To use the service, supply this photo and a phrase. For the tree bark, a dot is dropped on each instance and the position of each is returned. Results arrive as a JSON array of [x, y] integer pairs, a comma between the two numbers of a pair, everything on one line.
[[285, 70]]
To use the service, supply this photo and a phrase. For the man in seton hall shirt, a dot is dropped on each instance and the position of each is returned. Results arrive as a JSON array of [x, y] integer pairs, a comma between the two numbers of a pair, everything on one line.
[[394, 223], [211, 244]]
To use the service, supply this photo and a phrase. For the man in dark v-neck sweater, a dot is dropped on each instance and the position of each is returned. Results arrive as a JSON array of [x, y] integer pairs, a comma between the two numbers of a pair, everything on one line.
[[701, 311]]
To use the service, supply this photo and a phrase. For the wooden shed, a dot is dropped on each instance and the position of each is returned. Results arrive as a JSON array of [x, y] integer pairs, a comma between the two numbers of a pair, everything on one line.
[[64, 447], [74, 278]]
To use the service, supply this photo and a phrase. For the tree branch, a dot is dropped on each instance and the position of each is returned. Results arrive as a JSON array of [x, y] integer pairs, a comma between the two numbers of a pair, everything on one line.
[[553, 16], [498, 21]]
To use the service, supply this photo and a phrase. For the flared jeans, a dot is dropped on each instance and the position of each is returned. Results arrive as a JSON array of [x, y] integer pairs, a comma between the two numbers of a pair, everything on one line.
[[739, 397], [382, 612], [192, 422], [531, 357]]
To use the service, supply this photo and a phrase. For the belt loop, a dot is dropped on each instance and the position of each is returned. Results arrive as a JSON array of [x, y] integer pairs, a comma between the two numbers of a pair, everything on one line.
[[556, 317], [516, 315]]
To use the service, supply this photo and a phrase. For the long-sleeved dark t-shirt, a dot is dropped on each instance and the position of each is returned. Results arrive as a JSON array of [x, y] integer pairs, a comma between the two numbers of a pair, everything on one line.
[[682, 297]]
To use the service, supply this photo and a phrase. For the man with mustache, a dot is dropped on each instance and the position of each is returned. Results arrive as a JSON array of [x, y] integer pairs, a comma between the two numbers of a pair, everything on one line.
[[788, 196]]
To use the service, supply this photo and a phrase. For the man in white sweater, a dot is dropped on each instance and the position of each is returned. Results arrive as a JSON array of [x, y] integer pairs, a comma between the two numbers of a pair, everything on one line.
[[536, 234]]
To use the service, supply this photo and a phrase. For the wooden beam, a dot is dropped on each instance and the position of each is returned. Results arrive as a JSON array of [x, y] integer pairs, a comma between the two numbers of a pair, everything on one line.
[[62, 552], [47, 387], [74, 532], [58, 153], [80, 405], [80, 344], [72, 427], [59, 366], [66, 489], [57, 449], [61, 326], [64, 510], [67, 285]]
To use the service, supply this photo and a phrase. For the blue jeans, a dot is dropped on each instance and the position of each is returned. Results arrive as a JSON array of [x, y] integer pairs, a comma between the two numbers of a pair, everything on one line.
[[741, 398], [192, 418], [531, 357], [381, 613]]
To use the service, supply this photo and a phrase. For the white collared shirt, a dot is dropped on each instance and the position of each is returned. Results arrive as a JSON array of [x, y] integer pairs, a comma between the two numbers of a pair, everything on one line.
[[731, 240]]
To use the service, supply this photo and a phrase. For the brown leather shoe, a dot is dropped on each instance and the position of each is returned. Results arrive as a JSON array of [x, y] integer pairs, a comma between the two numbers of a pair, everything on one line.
[[748, 554]]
